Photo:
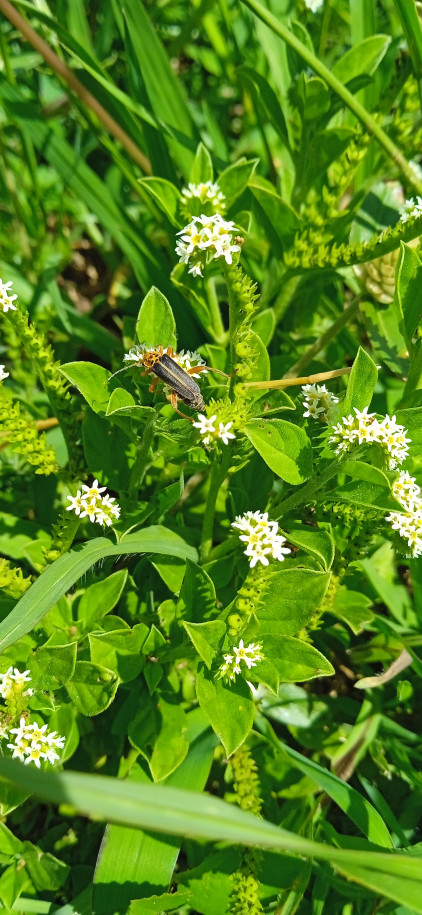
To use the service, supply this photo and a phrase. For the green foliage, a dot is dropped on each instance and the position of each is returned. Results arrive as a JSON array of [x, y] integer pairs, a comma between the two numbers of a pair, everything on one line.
[[192, 604]]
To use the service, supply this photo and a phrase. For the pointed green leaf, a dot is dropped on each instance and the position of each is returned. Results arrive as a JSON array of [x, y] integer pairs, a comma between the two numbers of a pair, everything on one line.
[[156, 325]]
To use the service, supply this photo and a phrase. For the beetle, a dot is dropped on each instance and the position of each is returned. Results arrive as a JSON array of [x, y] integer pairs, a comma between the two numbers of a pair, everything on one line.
[[183, 387]]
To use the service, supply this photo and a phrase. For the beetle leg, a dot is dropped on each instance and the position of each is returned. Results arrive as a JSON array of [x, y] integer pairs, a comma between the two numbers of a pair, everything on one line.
[[173, 400], [201, 368], [153, 385]]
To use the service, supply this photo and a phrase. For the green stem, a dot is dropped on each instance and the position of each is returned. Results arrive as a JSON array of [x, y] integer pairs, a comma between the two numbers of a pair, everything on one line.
[[140, 466], [285, 296], [218, 474], [347, 97], [217, 326], [307, 492], [414, 378], [325, 338]]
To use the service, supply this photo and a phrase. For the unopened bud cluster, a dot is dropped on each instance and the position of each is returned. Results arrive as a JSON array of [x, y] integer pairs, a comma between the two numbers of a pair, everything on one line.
[[205, 198]]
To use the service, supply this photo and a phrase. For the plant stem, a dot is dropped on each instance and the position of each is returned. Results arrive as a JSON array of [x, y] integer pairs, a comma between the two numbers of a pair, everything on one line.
[[218, 474], [285, 296], [346, 96], [306, 493], [217, 327], [140, 466], [325, 338]]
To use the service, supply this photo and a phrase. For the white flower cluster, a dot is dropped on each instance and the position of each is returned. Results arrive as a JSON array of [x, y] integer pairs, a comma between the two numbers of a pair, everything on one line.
[[249, 654], [318, 402], [90, 502], [187, 360], [3, 374], [408, 523], [365, 427], [210, 432], [12, 684], [32, 743], [6, 300], [314, 5], [411, 209], [262, 538], [206, 238], [206, 192]]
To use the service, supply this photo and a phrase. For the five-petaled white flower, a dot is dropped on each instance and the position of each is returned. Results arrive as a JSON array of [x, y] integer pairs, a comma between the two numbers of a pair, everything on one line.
[[318, 402], [90, 502], [3, 374], [204, 239], [408, 523], [249, 654], [365, 427], [33, 743], [6, 300], [412, 208], [261, 537], [210, 432]]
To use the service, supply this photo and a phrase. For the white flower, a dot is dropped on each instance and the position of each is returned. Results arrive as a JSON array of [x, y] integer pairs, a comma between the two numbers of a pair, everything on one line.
[[12, 683], [412, 208], [6, 300], [249, 654], [261, 537], [3, 374], [223, 432], [206, 192], [318, 402], [365, 427], [34, 742], [137, 353], [406, 490], [93, 504], [204, 239], [314, 5], [209, 431], [409, 526]]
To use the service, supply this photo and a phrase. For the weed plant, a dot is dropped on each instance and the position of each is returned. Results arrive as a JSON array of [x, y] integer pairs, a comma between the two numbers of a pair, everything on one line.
[[210, 452]]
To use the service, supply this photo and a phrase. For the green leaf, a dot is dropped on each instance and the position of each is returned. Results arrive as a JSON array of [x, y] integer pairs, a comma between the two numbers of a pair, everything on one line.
[[163, 88], [313, 97], [202, 169], [290, 598], [165, 195], [293, 659], [161, 726], [360, 811], [120, 650], [352, 607], [265, 97], [258, 361], [92, 688], [362, 381], [229, 709], [358, 470], [91, 381], [319, 543], [51, 666], [173, 810], [363, 57], [235, 179], [155, 324], [281, 215], [197, 595], [207, 638], [101, 598], [408, 297], [130, 856], [284, 447], [366, 495], [65, 571]]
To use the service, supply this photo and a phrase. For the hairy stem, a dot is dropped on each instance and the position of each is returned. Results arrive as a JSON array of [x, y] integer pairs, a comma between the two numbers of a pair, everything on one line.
[[217, 477]]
